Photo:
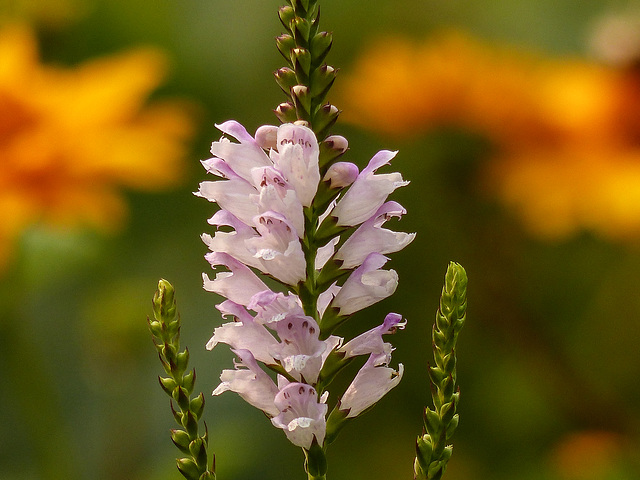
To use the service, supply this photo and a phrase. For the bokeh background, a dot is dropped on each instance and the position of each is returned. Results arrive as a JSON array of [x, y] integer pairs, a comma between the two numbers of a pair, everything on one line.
[[518, 124]]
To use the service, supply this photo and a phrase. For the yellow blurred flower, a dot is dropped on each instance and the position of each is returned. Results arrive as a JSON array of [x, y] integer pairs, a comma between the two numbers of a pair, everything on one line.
[[567, 130], [589, 455], [71, 138]]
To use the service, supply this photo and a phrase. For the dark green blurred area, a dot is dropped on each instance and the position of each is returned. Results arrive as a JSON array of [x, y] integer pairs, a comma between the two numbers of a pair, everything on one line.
[[551, 345]]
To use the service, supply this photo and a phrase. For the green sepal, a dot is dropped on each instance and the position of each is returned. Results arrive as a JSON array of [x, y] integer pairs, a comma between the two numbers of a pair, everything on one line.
[[286, 112], [301, 60], [208, 476], [286, 79], [180, 438], [285, 44], [329, 153], [181, 396], [188, 468], [432, 422], [167, 384], [177, 416], [447, 412], [335, 423], [189, 381], [325, 195], [321, 82], [453, 424], [197, 405], [330, 321], [447, 386], [316, 460], [194, 448], [326, 116], [329, 229], [301, 29], [334, 363], [302, 101], [436, 375], [320, 45], [424, 449], [330, 273], [190, 423], [182, 361], [435, 470], [287, 15]]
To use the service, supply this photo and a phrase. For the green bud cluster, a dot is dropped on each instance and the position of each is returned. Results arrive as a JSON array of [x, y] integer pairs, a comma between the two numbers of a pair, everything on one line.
[[307, 79], [432, 451], [187, 411]]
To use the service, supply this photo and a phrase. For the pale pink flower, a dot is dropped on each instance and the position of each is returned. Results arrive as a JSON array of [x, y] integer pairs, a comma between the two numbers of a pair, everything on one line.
[[250, 382], [372, 382], [367, 285], [341, 174], [277, 248], [271, 307], [371, 237], [368, 192], [238, 285], [371, 341], [244, 333], [300, 351], [297, 158], [301, 415]]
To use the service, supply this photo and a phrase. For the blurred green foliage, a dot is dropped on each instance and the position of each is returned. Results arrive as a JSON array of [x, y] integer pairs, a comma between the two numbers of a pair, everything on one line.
[[550, 352]]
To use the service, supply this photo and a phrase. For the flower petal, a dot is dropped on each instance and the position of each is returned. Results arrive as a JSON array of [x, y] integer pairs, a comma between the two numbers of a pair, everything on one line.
[[301, 416], [250, 382], [371, 237], [371, 341], [238, 285], [367, 285], [372, 382], [368, 192]]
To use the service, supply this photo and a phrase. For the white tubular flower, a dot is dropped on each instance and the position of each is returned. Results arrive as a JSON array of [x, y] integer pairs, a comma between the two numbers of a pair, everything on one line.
[[297, 158], [368, 192], [234, 242], [271, 307], [372, 382], [301, 415], [371, 237], [371, 341], [368, 284], [238, 285], [300, 352], [278, 249], [243, 333], [241, 157], [250, 382], [341, 174]]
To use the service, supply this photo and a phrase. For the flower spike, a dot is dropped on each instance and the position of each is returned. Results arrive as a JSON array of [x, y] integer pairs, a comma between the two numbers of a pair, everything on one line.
[[432, 451]]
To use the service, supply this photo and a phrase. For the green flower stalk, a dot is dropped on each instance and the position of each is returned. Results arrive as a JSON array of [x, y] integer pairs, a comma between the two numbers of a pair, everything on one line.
[[432, 451], [165, 329]]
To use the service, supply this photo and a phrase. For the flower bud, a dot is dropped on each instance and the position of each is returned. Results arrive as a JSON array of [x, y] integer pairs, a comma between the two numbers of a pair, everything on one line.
[[320, 45], [301, 59], [301, 29], [321, 81], [286, 112], [285, 44], [341, 174], [325, 117], [285, 78], [266, 136], [287, 16], [301, 100]]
